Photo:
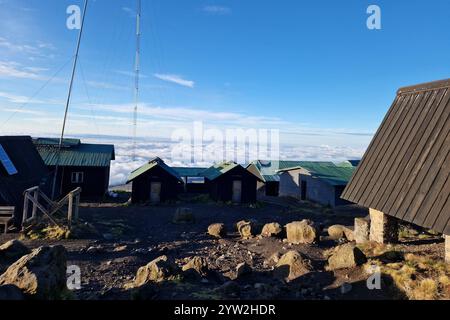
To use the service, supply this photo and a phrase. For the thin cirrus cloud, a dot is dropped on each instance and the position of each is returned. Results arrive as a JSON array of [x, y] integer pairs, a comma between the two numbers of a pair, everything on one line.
[[14, 70], [217, 10], [173, 78]]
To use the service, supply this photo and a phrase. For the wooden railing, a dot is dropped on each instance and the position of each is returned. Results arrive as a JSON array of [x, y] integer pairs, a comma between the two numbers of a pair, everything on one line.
[[40, 202]]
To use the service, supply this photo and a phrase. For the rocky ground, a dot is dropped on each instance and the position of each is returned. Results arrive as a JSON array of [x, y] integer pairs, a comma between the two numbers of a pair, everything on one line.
[[122, 239]]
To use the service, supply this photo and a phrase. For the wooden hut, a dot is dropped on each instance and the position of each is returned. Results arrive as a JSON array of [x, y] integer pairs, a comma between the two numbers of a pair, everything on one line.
[[79, 165], [230, 182], [405, 172], [155, 182], [21, 168]]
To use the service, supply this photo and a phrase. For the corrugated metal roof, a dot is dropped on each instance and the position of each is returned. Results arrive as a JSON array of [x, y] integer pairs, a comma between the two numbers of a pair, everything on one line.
[[189, 171], [269, 169], [219, 169], [333, 175], [55, 142], [75, 154], [150, 165], [405, 171]]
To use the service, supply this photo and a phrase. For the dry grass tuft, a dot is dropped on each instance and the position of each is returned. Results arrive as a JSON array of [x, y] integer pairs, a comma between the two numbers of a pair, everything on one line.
[[426, 290], [419, 277]]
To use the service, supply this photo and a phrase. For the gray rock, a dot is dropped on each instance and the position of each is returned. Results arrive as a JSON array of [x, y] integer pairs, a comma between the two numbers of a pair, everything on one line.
[[40, 274], [346, 256], [301, 232]]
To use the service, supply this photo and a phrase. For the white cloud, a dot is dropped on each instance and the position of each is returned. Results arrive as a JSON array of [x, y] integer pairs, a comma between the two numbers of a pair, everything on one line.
[[38, 49], [106, 85], [217, 10], [187, 114], [23, 111], [17, 99], [131, 13], [173, 78], [11, 69], [129, 73], [147, 149]]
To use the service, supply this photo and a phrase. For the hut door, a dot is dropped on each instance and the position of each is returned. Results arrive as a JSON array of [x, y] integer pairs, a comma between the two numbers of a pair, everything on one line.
[[237, 191], [303, 190], [155, 192]]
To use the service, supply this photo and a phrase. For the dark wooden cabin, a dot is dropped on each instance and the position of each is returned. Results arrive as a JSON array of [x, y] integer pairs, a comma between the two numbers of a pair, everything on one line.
[[155, 182], [21, 168], [405, 172], [230, 182], [80, 165]]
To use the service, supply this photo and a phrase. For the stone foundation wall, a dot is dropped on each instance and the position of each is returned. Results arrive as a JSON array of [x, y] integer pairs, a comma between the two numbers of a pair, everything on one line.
[[383, 228], [447, 248], [362, 230]]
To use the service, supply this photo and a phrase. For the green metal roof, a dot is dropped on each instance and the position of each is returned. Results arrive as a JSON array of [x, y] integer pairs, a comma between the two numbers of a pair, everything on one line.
[[189, 171], [269, 169], [219, 169], [333, 175], [150, 165], [74, 153], [55, 142]]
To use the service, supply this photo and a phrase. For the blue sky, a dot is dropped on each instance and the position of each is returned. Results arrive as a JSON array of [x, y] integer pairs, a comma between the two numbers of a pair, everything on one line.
[[309, 68]]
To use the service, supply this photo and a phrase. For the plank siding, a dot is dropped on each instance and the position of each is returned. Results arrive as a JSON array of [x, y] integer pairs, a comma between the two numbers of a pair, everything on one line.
[[405, 172]]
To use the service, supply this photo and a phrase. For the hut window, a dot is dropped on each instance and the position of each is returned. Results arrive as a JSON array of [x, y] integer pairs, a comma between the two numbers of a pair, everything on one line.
[[7, 163], [195, 180], [77, 177]]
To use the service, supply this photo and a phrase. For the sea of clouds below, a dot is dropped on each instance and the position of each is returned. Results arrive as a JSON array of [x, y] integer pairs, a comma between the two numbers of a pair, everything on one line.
[[124, 163]]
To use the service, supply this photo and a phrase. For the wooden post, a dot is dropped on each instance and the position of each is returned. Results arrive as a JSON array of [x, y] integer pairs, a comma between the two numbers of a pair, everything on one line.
[[77, 204], [25, 209], [36, 199], [70, 211]]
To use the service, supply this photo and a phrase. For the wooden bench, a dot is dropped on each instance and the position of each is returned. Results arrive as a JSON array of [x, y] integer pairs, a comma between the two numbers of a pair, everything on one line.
[[6, 216]]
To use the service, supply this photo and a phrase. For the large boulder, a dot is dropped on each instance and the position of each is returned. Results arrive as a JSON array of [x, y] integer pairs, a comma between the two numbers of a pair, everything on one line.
[[217, 230], [40, 274], [247, 229], [349, 234], [345, 256], [291, 266], [183, 216], [10, 292], [13, 250], [273, 229], [198, 264], [337, 232], [158, 270], [299, 232]]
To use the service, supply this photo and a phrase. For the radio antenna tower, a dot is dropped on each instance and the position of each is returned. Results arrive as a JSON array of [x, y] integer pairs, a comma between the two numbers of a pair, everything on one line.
[[137, 73]]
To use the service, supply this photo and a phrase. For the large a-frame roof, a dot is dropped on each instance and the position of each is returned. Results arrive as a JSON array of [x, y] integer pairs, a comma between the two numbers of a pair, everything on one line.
[[405, 171]]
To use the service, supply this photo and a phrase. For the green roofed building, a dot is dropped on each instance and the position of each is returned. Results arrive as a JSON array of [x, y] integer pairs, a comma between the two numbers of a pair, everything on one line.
[[229, 181], [155, 182], [269, 173], [321, 183], [79, 165]]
